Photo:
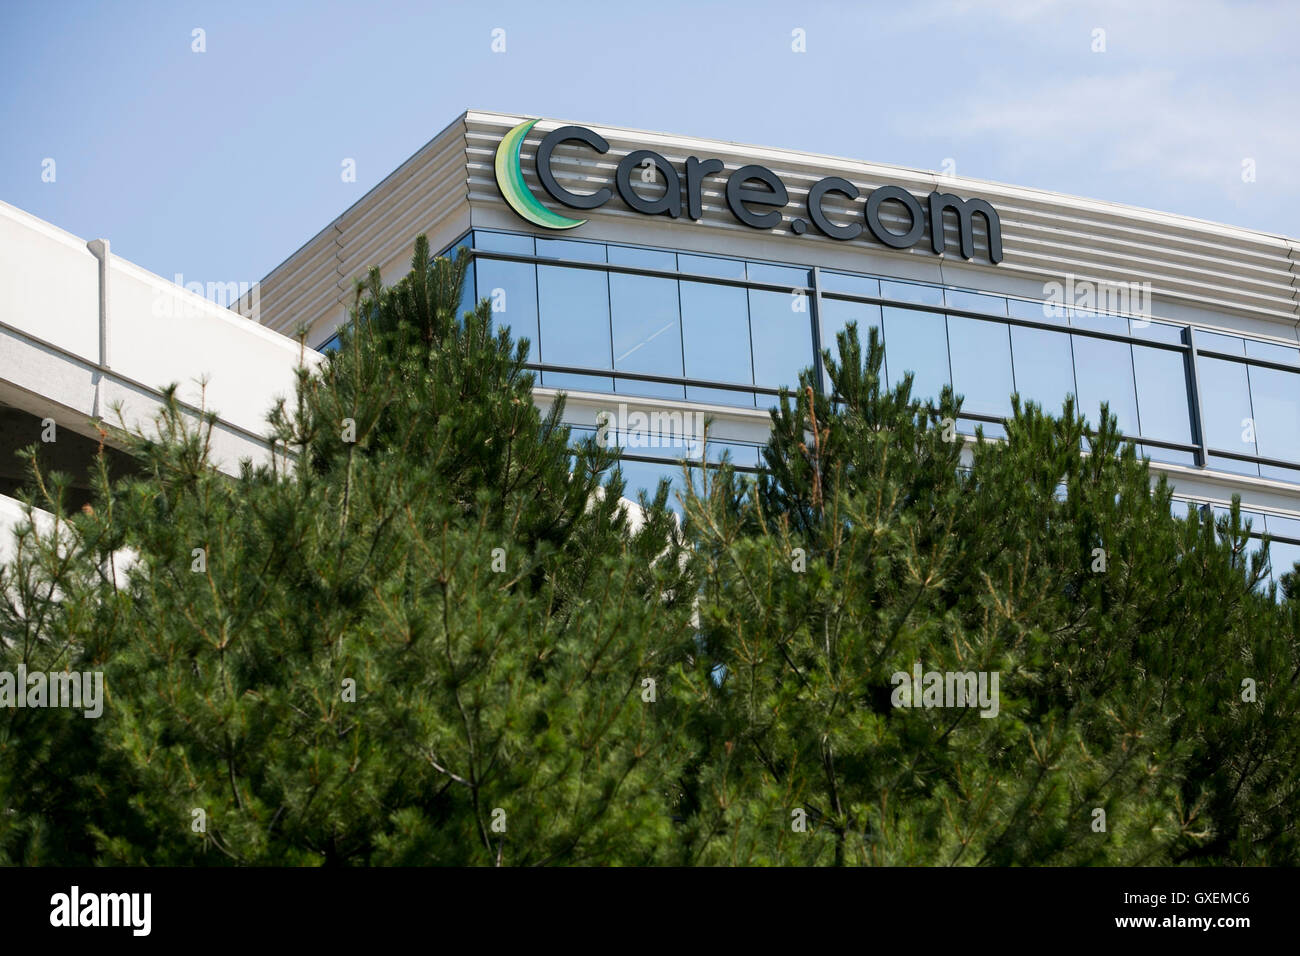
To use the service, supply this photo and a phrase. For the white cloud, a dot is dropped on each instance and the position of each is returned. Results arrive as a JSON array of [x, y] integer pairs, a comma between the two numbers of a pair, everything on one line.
[[1145, 121]]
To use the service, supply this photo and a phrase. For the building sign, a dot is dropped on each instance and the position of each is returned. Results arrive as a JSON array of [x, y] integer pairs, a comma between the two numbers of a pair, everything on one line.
[[755, 195]]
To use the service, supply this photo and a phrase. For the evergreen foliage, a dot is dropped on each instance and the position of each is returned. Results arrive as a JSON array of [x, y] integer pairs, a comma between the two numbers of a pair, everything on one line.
[[429, 631]]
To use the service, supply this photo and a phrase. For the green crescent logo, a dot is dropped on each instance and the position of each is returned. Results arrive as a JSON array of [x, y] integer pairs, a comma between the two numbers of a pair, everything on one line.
[[510, 180]]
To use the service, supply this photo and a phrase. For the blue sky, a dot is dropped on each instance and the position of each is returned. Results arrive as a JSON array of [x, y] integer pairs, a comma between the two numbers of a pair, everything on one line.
[[218, 165]]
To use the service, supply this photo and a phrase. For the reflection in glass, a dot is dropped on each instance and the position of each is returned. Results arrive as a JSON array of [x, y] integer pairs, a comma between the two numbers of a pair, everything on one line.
[[1051, 312], [853, 285], [781, 329], [838, 313], [1164, 408], [511, 288], [715, 336], [642, 258], [504, 242], [1225, 401], [711, 266], [917, 342], [1215, 342], [1269, 352], [1275, 398], [1103, 372], [976, 302], [1044, 367], [571, 249], [981, 366], [911, 292], [647, 332], [789, 276], [574, 319]]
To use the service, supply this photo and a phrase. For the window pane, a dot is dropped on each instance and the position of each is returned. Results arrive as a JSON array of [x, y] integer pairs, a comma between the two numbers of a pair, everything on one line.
[[981, 366], [1275, 398], [1225, 400], [1283, 527], [838, 313], [1099, 322], [644, 476], [642, 258], [504, 242], [1044, 367], [1282, 559], [1051, 312], [511, 287], [917, 342], [967, 426], [976, 302], [574, 313], [854, 285], [1272, 353], [715, 334], [1164, 409], [1103, 371], [467, 290], [647, 332], [711, 266], [781, 329], [1156, 331], [912, 292], [1213, 341], [789, 276], [571, 249]]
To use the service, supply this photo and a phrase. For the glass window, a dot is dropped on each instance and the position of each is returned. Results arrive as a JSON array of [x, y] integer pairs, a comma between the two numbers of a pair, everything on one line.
[[981, 366], [1283, 558], [967, 426], [1044, 367], [917, 342], [1051, 312], [647, 332], [911, 292], [1283, 527], [642, 258], [1164, 408], [504, 242], [331, 344], [467, 290], [1099, 322], [711, 266], [975, 302], [715, 338], [1103, 372], [836, 314], [853, 285], [644, 476], [1225, 400], [574, 319], [788, 276], [1275, 398], [781, 330], [742, 455], [571, 249], [1272, 353], [511, 288], [1156, 331], [1214, 342]]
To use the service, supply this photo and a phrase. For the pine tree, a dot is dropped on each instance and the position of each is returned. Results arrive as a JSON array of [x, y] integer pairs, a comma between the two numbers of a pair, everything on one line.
[[1122, 637], [423, 634]]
